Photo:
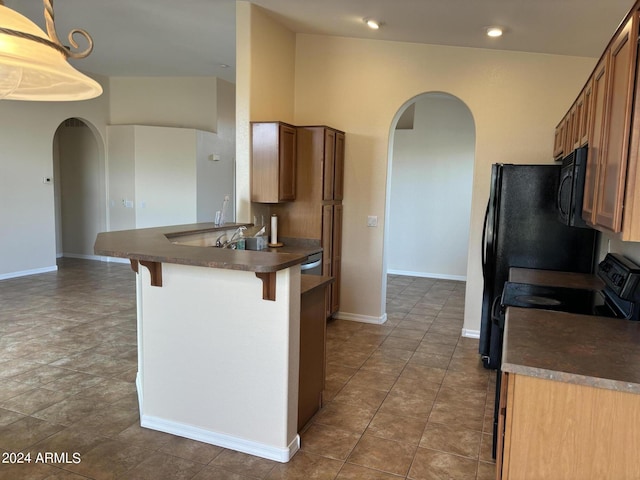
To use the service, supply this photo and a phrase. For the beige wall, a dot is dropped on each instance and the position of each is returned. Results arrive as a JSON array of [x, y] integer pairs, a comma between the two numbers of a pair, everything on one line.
[[265, 52], [189, 102], [358, 86]]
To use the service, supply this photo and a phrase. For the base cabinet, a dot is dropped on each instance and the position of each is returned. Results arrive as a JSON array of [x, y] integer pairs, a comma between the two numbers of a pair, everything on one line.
[[312, 354], [555, 430]]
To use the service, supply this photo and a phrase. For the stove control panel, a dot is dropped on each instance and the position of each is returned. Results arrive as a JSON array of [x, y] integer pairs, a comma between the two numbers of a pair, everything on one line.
[[620, 275]]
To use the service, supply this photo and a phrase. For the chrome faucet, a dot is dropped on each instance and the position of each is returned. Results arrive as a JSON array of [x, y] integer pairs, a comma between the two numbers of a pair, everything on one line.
[[229, 242]]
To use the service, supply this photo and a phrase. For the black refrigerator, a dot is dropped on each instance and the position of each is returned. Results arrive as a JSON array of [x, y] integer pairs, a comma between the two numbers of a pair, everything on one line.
[[521, 229]]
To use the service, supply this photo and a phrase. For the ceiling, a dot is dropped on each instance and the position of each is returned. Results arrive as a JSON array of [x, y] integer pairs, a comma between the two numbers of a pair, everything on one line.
[[194, 37]]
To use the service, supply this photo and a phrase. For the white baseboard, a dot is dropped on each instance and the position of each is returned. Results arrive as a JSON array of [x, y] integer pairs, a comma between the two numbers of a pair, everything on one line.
[[95, 257], [24, 273], [470, 333], [270, 452], [355, 317], [139, 389], [440, 276], [115, 260]]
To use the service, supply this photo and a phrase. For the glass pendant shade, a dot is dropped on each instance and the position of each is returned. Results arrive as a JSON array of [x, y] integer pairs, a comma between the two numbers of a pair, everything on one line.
[[30, 70]]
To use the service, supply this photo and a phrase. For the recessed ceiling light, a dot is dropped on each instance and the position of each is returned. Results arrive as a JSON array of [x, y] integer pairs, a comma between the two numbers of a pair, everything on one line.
[[494, 31], [372, 24], [223, 65]]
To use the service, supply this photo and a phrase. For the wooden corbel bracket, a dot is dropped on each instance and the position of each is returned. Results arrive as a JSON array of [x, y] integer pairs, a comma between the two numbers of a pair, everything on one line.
[[268, 285], [155, 270]]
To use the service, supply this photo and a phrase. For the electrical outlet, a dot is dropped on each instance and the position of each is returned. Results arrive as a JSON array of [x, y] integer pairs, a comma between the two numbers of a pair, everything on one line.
[[372, 221]]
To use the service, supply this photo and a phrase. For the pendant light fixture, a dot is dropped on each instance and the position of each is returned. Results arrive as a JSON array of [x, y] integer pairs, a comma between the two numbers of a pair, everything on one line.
[[33, 64]]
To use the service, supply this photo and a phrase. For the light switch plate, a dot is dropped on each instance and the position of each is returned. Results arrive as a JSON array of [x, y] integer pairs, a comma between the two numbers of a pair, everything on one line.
[[372, 221]]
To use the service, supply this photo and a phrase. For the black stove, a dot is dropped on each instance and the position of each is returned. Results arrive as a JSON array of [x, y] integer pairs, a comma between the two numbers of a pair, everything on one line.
[[572, 300], [618, 299]]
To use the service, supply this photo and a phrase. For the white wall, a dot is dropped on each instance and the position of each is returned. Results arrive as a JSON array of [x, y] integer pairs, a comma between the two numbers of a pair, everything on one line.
[[80, 182], [121, 177], [27, 212], [216, 179], [165, 176], [27, 129], [430, 190]]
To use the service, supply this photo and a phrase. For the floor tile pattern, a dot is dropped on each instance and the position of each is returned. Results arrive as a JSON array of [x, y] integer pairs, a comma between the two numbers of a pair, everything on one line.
[[404, 400]]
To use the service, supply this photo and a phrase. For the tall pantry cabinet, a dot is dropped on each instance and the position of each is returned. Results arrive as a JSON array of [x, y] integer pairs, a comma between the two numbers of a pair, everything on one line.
[[322, 148], [316, 212]]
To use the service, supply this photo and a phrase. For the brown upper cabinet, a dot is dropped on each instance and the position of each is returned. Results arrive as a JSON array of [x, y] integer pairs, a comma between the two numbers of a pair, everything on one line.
[[273, 162], [570, 138], [599, 92], [559, 139], [585, 115], [333, 165], [612, 124], [606, 119]]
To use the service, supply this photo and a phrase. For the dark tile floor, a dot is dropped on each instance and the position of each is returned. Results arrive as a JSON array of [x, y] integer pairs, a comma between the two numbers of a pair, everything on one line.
[[407, 399]]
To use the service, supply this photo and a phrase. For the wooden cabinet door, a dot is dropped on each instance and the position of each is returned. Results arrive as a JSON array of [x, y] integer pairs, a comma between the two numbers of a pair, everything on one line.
[[612, 175], [336, 261], [312, 354], [287, 163], [338, 170], [585, 117], [571, 130], [273, 162], [329, 164], [558, 140], [502, 416], [327, 238], [577, 125], [327, 250], [596, 142]]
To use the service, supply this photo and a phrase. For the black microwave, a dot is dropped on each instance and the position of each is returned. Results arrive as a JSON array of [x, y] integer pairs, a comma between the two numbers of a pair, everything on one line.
[[571, 188]]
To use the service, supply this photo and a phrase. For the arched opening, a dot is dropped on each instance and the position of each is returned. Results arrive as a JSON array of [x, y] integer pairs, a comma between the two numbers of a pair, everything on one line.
[[79, 188], [429, 186]]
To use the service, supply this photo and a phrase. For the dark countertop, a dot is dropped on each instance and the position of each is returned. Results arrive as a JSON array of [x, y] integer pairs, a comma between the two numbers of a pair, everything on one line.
[[302, 246], [153, 244], [552, 278], [586, 350], [308, 283]]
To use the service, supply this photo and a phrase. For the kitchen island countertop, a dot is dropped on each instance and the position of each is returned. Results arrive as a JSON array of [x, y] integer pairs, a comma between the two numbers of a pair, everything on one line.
[[586, 350], [159, 244]]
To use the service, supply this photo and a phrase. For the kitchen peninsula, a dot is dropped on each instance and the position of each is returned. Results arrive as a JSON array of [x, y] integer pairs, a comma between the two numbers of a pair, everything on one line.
[[218, 337]]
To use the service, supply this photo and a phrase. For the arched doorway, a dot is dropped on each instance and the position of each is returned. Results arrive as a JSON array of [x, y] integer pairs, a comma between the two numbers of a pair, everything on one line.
[[79, 186], [429, 185]]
